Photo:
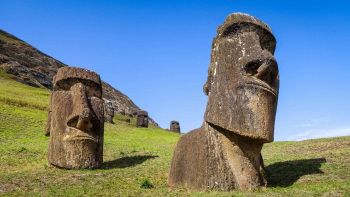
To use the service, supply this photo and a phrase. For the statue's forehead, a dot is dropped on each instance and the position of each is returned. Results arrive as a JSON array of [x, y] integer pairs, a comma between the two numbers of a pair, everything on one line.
[[239, 24], [71, 81], [142, 113], [77, 74], [242, 20], [247, 36], [244, 30]]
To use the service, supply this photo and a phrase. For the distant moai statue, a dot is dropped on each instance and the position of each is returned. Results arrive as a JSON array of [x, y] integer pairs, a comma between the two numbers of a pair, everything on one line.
[[242, 89], [48, 123], [76, 122], [142, 119], [109, 112], [175, 126]]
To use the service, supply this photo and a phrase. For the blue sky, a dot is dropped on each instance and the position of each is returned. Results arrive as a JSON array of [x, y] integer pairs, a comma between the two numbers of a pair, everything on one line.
[[157, 53]]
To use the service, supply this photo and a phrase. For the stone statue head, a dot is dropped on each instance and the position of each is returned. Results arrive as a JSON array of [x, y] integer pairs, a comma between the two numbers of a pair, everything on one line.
[[243, 79], [175, 126], [109, 111], [142, 119], [76, 122]]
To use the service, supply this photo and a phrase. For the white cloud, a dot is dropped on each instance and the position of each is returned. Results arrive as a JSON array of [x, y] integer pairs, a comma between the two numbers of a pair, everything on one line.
[[312, 123], [320, 133]]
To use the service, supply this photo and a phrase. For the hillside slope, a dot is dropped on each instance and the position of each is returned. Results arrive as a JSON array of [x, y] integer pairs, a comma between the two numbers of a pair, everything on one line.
[[32, 67], [137, 160]]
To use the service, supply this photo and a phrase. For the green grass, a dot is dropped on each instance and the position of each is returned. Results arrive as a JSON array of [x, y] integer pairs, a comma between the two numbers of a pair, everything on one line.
[[137, 160], [9, 39]]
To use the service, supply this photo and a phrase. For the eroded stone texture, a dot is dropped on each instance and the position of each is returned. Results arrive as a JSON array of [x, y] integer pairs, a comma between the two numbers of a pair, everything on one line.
[[175, 126], [242, 89], [109, 112], [142, 119], [76, 120]]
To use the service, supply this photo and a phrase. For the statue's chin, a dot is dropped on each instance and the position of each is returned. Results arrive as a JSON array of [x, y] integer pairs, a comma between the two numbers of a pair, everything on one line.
[[80, 153], [248, 112], [79, 149], [256, 108]]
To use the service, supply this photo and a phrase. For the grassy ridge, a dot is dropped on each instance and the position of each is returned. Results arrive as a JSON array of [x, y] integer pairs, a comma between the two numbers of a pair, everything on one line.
[[137, 158]]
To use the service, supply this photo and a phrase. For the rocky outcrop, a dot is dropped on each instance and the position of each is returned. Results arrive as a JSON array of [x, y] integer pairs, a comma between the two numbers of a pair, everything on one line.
[[27, 64], [30, 66]]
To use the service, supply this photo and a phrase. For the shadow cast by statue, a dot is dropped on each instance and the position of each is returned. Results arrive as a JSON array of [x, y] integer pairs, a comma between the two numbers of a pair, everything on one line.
[[284, 174], [128, 161]]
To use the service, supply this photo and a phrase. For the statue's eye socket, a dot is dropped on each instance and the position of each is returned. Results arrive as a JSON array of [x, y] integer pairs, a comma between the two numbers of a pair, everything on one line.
[[95, 95], [252, 67], [93, 92], [62, 86]]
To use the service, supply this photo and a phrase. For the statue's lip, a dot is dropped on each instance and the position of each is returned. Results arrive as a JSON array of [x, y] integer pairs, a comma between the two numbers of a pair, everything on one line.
[[74, 134], [262, 85]]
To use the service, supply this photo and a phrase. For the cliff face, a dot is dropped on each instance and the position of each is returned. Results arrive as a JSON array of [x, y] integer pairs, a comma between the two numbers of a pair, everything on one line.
[[32, 67]]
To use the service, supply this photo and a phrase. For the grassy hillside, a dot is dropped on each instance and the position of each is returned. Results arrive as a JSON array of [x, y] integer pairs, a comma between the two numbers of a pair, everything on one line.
[[137, 160]]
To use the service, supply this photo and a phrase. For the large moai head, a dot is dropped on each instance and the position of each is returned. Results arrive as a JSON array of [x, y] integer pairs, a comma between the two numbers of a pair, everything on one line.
[[142, 119], [243, 79], [175, 126], [76, 122]]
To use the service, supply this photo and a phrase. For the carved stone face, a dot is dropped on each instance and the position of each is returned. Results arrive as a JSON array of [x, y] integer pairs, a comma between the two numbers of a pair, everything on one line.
[[142, 119], [109, 112], [76, 123], [243, 79], [175, 126]]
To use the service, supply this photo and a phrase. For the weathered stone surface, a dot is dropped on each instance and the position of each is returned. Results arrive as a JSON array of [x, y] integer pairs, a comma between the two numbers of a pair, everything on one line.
[[76, 120], [242, 89], [142, 119], [175, 126], [32, 67]]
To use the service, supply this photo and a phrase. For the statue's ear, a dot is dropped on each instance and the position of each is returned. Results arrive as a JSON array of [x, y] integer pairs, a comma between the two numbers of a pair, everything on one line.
[[206, 88], [207, 85]]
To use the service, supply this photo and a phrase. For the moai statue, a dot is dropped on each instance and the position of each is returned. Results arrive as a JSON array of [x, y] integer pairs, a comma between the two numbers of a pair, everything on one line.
[[48, 123], [142, 119], [242, 88], [76, 119], [109, 112], [175, 126]]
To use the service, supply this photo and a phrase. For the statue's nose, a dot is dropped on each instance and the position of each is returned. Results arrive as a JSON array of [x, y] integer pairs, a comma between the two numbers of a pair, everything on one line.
[[265, 70], [81, 114], [84, 121]]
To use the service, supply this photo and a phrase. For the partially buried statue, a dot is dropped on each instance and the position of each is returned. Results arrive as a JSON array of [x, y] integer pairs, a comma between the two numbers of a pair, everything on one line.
[[142, 119], [242, 89], [109, 112], [175, 126], [76, 119]]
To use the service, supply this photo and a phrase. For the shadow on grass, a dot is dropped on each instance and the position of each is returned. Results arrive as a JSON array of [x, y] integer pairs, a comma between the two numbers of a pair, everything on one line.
[[128, 161], [284, 174]]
